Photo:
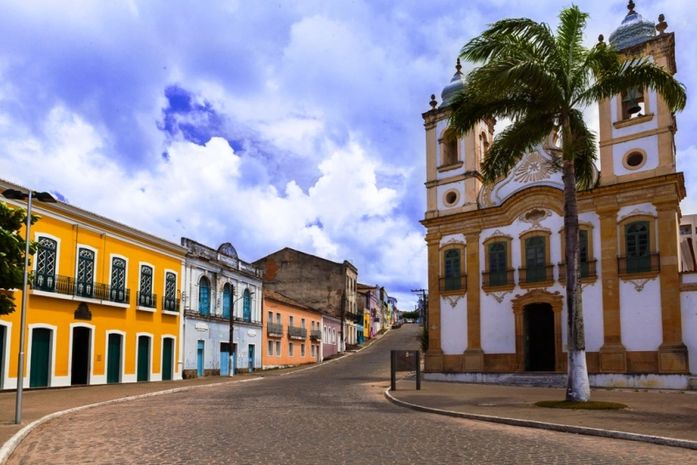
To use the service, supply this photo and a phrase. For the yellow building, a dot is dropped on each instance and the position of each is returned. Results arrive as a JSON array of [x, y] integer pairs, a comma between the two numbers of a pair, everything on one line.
[[103, 305]]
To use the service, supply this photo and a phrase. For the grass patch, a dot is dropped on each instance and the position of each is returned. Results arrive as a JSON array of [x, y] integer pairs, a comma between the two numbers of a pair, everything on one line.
[[590, 405]]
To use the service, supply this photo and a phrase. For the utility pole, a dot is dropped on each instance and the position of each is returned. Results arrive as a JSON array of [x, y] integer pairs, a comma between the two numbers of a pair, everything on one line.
[[423, 297]]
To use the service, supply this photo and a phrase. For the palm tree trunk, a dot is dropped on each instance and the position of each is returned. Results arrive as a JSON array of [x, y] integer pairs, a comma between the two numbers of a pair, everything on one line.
[[577, 387]]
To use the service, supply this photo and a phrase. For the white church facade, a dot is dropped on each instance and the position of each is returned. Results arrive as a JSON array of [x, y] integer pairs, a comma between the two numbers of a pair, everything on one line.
[[495, 251]]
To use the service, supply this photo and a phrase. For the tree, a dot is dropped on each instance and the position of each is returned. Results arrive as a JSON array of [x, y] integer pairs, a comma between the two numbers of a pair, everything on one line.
[[541, 81], [12, 247]]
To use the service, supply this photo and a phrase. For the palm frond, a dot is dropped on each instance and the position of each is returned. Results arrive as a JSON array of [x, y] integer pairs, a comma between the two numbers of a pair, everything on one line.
[[637, 73], [511, 144], [569, 38], [506, 34]]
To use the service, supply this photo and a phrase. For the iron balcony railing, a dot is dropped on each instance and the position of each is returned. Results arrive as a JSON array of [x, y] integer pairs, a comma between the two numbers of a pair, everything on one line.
[[170, 304], [586, 270], [648, 263], [148, 300], [453, 283], [295, 332], [69, 286], [497, 278], [536, 274], [316, 334], [274, 329]]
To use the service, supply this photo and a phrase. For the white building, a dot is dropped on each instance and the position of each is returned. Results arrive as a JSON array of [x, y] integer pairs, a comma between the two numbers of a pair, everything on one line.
[[496, 272], [216, 282]]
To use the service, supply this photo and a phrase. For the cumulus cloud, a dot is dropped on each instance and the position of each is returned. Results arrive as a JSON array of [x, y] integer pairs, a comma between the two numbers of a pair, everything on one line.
[[260, 124]]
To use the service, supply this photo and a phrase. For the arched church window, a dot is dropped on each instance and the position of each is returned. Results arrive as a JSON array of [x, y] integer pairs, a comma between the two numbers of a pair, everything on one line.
[[449, 148], [633, 104]]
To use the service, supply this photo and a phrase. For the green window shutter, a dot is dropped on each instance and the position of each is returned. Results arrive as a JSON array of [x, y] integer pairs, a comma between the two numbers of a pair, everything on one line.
[[637, 243], [583, 252], [118, 280], [84, 282], [170, 303], [452, 269], [535, 260], [145, 298], [45, 278], [498, 268]]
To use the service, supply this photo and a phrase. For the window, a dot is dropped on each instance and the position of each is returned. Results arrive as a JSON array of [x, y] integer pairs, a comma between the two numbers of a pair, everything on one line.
[[204, 296], [170, 303], [117, 292], [637, 243], [535, 259], [685, 229], [452, 270], [302, 322], [583, 253], [302, 350], [278, 318], [45, 279], [270, 317], [448, 148], [145, 297], [247, 305], [633, 104], [84, 279], [227, 300], [290, 320], [270, 348], [290, 349], [278, 348], [498, 263]]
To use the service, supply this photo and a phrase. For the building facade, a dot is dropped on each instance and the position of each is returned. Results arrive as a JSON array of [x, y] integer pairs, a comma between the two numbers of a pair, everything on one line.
[[103, 305], [495, 260], [218, 286], [320, 284], [292, 332]]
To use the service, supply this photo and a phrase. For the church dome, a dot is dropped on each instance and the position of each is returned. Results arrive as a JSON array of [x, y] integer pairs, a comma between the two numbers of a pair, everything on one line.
[[634, 30], [457, 83]]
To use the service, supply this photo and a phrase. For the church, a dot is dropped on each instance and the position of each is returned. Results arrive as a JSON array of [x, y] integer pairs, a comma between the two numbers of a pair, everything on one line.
[[496, 271]]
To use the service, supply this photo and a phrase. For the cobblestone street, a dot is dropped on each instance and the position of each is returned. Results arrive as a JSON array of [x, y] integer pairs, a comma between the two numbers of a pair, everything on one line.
[[335, 413]]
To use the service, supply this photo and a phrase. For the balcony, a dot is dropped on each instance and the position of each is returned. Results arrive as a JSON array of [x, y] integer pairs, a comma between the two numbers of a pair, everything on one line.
[[295, 332], [648, 264], [535, 276], [170, 304], [68, 287], [316, 334], [498, 279], [587, 271], [274, 329], [453, 283], [146, 300]]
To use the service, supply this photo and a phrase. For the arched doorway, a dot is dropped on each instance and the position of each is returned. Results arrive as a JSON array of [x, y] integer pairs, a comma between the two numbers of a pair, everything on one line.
[[538, 331], [537, 316]]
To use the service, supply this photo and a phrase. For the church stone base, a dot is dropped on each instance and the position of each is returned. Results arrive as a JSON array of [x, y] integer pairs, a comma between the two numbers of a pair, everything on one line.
[[603, 380]]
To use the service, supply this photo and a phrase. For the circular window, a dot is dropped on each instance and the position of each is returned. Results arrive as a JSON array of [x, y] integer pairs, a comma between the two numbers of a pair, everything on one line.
[[451, 197], [634, 160]]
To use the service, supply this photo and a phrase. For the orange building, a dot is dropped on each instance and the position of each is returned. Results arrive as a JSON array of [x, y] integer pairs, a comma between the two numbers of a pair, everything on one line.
[[292, 332]]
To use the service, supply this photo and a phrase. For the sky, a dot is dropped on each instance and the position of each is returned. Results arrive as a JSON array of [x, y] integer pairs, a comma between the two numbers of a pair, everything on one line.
[[261, 123]]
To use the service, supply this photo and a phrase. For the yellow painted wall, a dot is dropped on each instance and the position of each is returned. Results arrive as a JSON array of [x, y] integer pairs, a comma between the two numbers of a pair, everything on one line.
[[73, 228]]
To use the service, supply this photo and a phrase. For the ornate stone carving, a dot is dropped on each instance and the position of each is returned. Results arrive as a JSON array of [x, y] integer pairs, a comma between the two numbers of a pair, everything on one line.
[[499, 296], [535, 216], [639, 283], [533, 168], [453, 300]]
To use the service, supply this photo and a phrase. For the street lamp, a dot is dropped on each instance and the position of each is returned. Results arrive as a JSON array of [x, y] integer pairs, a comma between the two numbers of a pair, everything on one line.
[[14, 194], [231, 365]]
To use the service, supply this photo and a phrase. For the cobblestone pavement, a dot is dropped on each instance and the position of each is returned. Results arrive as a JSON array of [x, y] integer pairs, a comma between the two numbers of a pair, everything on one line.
[[334, 413]]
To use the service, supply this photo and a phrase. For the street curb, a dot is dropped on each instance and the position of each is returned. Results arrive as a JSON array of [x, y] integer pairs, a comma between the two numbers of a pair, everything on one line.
[[612, 434], [11, 444]]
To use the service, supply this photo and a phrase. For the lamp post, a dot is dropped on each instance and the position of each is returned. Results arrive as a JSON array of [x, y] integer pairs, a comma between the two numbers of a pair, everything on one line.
[[231, 364], [14, 194]]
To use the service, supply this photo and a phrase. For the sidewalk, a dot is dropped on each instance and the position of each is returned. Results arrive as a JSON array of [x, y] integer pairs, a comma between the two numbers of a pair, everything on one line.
[[669, 414]]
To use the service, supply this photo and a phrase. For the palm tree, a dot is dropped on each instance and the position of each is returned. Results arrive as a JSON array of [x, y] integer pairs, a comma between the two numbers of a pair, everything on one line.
[[541, 81]]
